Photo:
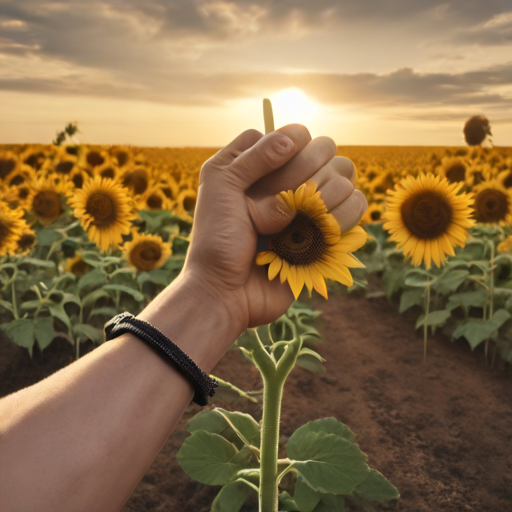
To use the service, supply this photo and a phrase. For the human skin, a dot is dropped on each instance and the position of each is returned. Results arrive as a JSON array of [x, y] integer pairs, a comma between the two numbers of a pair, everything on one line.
[[83, 438]]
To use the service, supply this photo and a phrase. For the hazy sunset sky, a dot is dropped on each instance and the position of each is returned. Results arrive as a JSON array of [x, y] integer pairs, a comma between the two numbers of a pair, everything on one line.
[[194, 72]]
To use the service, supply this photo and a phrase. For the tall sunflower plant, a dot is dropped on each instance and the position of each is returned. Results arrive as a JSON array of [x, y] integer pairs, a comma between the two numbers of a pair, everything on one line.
[[321, 467], [444, 251]]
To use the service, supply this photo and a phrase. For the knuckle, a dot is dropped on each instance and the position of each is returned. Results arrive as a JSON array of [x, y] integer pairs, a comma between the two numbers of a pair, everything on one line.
[[326, 144]]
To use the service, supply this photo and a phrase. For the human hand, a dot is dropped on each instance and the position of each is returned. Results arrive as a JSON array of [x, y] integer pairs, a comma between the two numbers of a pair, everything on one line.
[[237, 202]]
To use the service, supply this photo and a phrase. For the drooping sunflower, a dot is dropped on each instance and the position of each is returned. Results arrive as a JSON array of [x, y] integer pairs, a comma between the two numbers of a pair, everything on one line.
[[476, 129], [105, 211], [146, 252], [137, 180], [493, 203], [312, 247], [427, 218], [8, 163], [12, 226]]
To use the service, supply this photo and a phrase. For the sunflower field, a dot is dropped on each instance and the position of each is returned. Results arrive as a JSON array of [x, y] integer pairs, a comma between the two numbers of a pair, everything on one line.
[[89, 231]]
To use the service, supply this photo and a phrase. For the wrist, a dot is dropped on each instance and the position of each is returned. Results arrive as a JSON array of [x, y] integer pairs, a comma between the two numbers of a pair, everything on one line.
[[194, 317]]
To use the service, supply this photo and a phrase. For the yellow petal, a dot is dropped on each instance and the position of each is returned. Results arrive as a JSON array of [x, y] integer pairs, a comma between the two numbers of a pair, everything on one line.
[[265, 257], [284, 271], [295, 284], [319, 282], [274, 268]]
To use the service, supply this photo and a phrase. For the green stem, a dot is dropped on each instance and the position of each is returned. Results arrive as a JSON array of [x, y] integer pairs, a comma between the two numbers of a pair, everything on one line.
[[272, 396], [425, 322], [491, 294], [274, 376], [14, 302]]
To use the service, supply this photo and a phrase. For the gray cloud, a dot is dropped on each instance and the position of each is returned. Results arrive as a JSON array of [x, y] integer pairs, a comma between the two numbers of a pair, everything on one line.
[[401, 88]]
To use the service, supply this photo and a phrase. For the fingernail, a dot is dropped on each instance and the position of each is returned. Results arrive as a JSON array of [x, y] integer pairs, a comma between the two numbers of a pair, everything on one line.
[[282, 144]]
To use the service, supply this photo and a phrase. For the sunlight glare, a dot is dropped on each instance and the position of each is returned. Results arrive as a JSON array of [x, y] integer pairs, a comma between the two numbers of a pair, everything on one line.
[[293, 105]]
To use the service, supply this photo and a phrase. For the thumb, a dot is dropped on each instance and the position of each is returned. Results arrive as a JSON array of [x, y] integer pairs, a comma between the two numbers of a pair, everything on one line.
[[269, 153]]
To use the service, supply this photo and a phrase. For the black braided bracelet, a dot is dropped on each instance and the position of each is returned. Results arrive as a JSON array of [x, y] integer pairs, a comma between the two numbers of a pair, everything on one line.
[[204, 386]]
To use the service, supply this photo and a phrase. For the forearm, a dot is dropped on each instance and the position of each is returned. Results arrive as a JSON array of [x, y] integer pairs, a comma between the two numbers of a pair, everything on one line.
[[83, 438]]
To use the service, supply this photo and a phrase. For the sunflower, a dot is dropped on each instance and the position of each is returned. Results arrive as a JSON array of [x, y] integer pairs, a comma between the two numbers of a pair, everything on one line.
[[12, 226], [506, 178], [476, 129], [506, 245], [373, 214], [95, 158], [105, 210], [186, 203], [146, 252], [493, 203], [45, 199], [26, 242], [311, 248], [155, 199], [137, 180], [427, 218], [77, 265], [8, 162], [454, 170], [107, 170]]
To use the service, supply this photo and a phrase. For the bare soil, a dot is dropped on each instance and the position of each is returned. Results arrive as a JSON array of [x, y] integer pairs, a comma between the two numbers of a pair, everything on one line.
[[440, 430]]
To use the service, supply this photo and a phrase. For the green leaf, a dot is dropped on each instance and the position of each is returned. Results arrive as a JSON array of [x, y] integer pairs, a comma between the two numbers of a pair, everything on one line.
[[232, 496], [435, 318], [310, 360], [330, 503], [213, 421], [57, 310], [7, 305], [125, 289], [21, 332], [208, 458], [92, 333], [411, 298], [476, 330], [377, 488], [92, 279], [286, 502], [305, 497], [467, 300], [106, 311], [44, 331], [326, 462], [157, 276], [327, 426], [450, 281], [47, 236], [37, 263], [92, 297]]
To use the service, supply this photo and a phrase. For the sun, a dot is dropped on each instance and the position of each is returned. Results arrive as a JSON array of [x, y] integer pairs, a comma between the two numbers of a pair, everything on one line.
[[293, 105]]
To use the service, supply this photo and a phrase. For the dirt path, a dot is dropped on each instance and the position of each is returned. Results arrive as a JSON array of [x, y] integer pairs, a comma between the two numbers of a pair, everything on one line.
[[441, 431]]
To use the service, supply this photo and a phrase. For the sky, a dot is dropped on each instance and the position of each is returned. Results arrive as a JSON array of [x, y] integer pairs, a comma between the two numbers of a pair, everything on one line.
[[195, 72]]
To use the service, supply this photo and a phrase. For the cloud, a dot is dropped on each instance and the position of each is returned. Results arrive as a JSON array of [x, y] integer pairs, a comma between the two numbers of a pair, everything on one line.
[[400, 88], [496, 31]]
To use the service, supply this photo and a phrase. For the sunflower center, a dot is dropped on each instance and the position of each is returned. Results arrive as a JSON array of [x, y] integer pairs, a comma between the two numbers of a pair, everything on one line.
[[102, 209], [27, 240], [137, 180], [375, 215], [94, 159], [108, 173], [64, 167], [79, 267], [426, 215], [17, 180], [301, 242], [491, 205], [78, 180], [151, 253], [189, 203], [507, 182], [155, 202], [456, 173], [46, 205]]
